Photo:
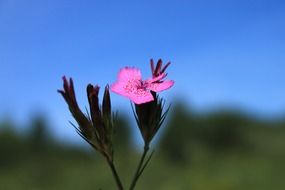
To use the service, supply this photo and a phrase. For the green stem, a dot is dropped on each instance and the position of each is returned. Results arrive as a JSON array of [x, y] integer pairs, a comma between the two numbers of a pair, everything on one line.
[[115, 175], [140, 165]]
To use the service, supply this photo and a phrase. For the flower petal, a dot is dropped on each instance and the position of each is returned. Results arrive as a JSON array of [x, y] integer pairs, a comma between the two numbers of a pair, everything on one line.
[[156, 79], [157, 87], [119, 88], [129, 73], [137, 95], [141, 96]]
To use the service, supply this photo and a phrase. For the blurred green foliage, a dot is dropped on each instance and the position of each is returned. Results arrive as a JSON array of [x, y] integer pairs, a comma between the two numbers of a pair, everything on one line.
[[219, 150]]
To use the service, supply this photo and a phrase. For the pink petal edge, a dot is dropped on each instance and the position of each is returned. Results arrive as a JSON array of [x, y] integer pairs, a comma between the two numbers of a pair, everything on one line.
[[158, 87], [129, 73], [142, 99]]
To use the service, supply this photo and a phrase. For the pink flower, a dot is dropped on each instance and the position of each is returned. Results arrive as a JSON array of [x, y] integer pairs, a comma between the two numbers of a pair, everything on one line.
[[131, 85]]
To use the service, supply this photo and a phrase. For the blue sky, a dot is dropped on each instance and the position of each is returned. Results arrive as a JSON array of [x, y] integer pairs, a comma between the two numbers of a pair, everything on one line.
[[223, 52]]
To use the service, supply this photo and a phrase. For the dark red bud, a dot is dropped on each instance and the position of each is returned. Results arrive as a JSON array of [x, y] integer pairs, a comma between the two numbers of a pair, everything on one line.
[[92, 94], [165, 67], [106, 103], [158, 68]]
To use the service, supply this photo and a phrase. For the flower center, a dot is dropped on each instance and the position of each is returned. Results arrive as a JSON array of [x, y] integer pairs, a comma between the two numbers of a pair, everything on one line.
[[137, 87]]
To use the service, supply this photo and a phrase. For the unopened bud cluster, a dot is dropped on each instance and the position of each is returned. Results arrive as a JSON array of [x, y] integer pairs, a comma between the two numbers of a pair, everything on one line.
[[96, 128]]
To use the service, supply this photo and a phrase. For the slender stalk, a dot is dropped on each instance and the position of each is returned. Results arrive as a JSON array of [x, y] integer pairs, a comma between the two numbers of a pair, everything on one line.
[[115, 175], [140, 165]]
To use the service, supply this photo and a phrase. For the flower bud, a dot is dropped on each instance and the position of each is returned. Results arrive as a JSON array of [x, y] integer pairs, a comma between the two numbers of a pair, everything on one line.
[[69, 96], [97, 128], [106, 105], [150, 117]]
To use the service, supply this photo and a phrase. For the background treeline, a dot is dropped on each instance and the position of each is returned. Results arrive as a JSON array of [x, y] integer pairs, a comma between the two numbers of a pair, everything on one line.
[[222, 149]]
